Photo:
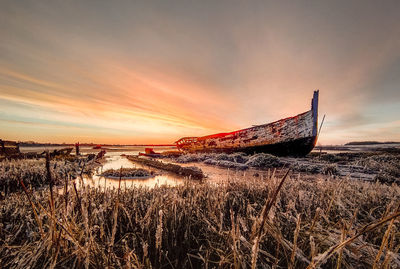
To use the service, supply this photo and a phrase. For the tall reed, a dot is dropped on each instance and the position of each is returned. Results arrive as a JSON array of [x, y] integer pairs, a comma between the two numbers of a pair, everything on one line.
[[207, 224]]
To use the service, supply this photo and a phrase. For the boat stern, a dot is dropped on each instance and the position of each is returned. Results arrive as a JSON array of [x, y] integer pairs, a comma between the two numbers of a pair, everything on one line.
[[314, 109]]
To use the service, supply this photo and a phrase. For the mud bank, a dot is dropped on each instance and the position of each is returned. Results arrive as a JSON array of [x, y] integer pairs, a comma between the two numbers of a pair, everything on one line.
[[382, 166]]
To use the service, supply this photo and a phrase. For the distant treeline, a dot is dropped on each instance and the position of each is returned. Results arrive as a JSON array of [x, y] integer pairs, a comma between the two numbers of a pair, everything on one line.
[[34, 144], [25, 144], [358, 143]]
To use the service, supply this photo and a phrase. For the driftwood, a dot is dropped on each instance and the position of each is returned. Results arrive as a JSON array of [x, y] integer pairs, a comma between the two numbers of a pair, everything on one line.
[[191, 172]]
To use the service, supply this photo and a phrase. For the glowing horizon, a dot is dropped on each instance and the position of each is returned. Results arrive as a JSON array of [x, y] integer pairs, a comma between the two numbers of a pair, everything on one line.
[[152, 72]]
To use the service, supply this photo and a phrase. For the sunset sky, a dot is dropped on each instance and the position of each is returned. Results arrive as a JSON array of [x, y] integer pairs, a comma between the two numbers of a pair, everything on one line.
[[153, 71]]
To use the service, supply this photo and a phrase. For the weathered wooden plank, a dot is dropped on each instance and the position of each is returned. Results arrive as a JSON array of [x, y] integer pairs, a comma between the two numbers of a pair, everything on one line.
[[190, 172]]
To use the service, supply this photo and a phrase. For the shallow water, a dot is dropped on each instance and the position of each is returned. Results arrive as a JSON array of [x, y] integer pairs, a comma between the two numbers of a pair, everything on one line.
[[116, 161]]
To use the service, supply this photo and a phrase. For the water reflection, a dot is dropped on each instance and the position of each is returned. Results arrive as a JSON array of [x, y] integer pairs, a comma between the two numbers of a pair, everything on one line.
[[115, 159], [116, 162]]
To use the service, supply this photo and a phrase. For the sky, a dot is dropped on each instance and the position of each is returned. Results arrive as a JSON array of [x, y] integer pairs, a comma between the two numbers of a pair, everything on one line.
[[131, 72]]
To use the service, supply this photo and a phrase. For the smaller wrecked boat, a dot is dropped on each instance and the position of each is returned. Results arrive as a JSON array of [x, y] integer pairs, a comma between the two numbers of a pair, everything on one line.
[[149, 152], [8, 148], [294, 136]]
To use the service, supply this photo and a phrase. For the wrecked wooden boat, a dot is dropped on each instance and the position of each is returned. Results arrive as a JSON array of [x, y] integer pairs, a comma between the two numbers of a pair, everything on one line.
[[293, 136], [8, 148]]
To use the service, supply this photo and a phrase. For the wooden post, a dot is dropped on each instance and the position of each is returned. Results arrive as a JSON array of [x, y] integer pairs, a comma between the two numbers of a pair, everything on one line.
[[3, 150], [77, 149], [314, 107]]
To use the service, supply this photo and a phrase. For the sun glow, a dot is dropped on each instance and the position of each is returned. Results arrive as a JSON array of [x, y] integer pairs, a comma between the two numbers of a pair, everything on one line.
[[152, 73]]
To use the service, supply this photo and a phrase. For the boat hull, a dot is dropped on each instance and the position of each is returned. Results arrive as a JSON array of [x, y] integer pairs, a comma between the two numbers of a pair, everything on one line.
[[297, 147], [295, 136]]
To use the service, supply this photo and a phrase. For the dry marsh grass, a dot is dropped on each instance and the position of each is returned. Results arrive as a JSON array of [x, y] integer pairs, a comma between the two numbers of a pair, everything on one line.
[[270, 223], [33, 173]]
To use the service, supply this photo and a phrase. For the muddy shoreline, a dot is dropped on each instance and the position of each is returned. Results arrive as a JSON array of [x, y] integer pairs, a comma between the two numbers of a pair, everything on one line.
[[381, 165]]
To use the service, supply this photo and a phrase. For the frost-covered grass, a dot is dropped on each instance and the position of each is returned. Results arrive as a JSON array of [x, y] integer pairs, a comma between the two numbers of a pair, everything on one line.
[[126, 172], [239, 160], [33, 173], [385, 167], [200, 157], [239, 224], [388, 166]]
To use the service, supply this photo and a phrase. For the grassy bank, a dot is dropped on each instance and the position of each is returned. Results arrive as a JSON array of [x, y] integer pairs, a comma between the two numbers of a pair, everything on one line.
[[33, 174], [373, 166], [239, 224]]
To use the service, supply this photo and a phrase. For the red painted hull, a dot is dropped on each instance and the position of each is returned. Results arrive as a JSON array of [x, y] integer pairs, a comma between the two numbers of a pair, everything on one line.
[[295, 136]]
